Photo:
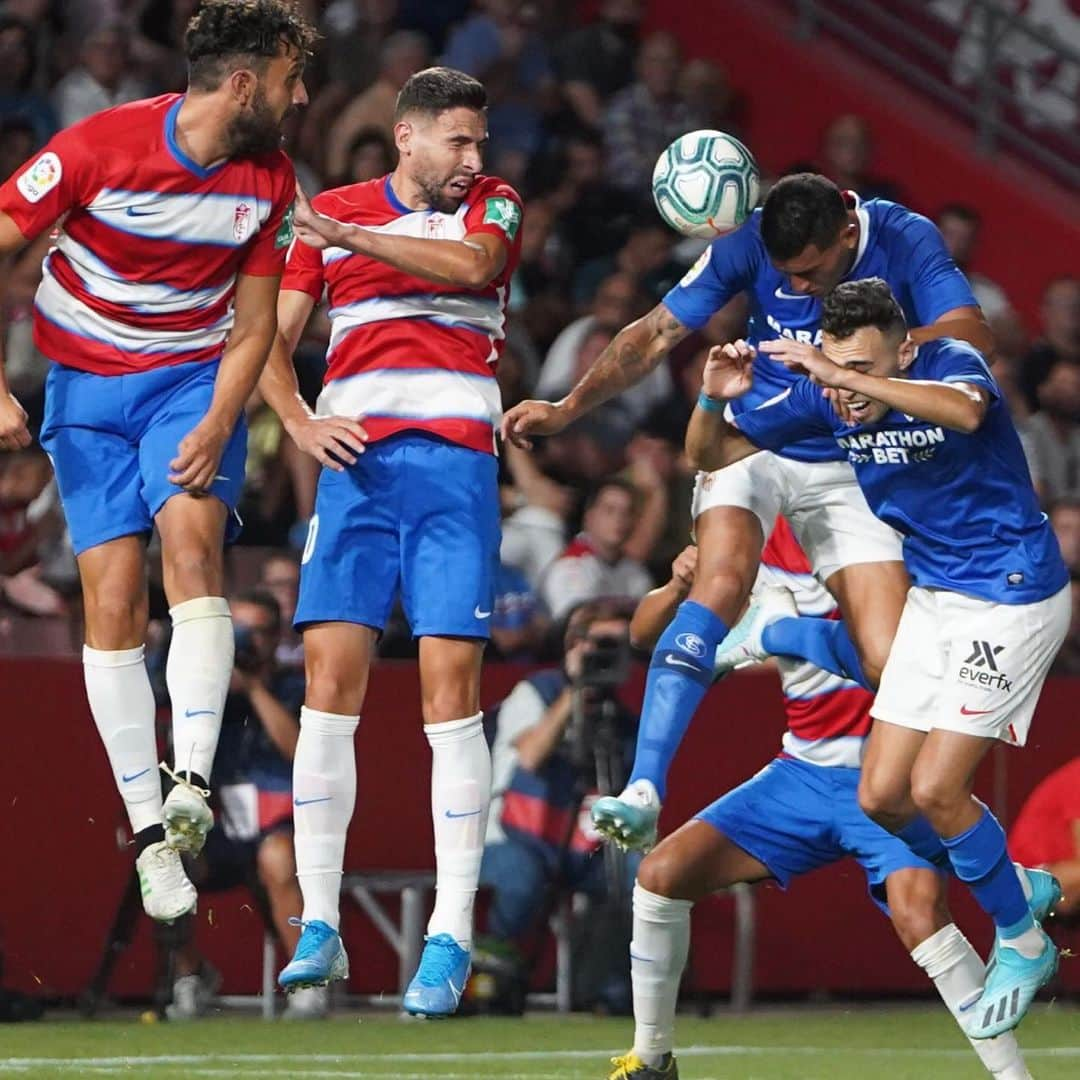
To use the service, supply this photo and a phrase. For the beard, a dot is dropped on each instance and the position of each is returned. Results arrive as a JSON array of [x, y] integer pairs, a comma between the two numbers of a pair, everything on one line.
[[255, 130], [435, 195]]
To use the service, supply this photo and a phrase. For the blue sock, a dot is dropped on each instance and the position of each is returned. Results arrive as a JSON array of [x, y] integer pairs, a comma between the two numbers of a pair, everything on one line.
[[982, 862], [824, 642], [679, 674], [919, 835]]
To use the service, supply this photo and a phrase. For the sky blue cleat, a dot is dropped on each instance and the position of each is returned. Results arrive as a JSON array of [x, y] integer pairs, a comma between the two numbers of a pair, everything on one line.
[[1012, 981], [440, 980], [319, 958]]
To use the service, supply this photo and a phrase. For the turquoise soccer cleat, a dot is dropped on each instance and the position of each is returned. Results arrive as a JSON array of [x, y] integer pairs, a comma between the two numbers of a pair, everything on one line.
[[629, 819], [1045, 893], [1012, 981], [440, 980], [319, 958], [743, 643]]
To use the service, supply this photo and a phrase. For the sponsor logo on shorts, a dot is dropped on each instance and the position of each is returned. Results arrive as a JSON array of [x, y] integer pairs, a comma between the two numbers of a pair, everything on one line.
[[692, 644], [981, 668]]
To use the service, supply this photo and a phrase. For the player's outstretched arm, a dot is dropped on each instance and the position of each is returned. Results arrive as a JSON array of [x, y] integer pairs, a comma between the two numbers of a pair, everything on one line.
[[657, 608], [634, 352], [334, 441], [966, 323], [712, 442], [471, 263]]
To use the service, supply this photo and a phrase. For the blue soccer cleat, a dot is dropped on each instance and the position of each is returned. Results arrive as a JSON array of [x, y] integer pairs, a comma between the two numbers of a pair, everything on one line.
[[629, 819], [743, 644], [1012, 981], [319, 958], [440, 980], [1045, 893]]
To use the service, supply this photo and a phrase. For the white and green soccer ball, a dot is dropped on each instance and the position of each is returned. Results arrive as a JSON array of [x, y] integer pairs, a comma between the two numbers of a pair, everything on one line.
[[705, 183]]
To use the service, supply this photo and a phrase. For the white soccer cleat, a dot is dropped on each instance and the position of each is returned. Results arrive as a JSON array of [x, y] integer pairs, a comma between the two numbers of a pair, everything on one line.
[[629, 819], [192, 996], [166, 892], [743, 643], [187, 815]]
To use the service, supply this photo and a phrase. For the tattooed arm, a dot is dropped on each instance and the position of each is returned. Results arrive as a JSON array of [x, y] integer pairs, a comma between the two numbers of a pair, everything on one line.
[[635, 350]]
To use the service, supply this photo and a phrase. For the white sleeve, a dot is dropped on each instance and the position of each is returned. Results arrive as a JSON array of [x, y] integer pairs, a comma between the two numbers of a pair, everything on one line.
[[566, 583]]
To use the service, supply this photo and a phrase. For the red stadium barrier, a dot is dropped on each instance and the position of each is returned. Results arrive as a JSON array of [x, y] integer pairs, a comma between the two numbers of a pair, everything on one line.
[[63, 873]]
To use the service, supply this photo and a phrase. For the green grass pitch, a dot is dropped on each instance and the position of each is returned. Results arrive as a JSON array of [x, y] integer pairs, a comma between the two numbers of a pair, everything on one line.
[[793, 1044]]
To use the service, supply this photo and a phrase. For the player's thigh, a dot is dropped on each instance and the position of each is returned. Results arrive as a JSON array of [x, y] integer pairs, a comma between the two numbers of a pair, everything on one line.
[[695, 861], [337, 661], [350, 566], [450, 539], [885, 781], [943, 777], [450, 677], [115, 603], [192, 530]]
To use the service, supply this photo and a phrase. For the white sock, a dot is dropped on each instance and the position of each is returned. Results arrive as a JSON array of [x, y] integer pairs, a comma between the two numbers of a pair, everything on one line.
[[197, 674], [123, 707], [460, 794], [324, 794], [958, 973], [658, 954]]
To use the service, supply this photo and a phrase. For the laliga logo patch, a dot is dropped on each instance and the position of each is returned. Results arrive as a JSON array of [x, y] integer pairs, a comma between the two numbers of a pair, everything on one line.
[[241, 224], [695, 270], [691, 644], [40, 178]]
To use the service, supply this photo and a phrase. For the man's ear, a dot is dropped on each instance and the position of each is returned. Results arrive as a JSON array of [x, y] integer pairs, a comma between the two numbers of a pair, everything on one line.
[[403, 132], [242, 84], [906, 353]]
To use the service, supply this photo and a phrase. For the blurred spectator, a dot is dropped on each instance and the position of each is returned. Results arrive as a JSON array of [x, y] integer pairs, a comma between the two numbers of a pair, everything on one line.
[[18, 98], [960, 226], [519, 623], [556, 734], [704, 86], [1060, 336], [646, 255], [1065, 519], [598, 59], [1047, 830], [595, 563], [498, 44], [664, 490], [281, 579], [534, 531], [18, 140], [102, 79], [403, 53], [647, 115], [371, 155], [846, 152], [1054, 432]]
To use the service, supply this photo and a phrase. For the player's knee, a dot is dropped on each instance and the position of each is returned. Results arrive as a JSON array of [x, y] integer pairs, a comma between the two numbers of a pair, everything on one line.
[[881, 801], [934, 795], [331, 686], [659, 873], [446, 703], [113, 615], [917, 906], [192, 570], [723, 589]]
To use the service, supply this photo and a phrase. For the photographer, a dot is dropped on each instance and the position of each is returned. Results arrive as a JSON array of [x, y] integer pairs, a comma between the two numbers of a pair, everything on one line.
[[251, 843], [562, 738]]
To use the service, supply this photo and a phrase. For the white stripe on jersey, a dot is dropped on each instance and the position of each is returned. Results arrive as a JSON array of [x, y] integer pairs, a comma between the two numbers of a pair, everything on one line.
[[70, 314], [147, 298], [811, 597], [420, 394], [844, 752], [200, 218]]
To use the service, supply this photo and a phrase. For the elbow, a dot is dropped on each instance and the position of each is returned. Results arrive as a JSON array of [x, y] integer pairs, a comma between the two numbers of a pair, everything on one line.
[[478, 275], [972, 420], [703, 458]]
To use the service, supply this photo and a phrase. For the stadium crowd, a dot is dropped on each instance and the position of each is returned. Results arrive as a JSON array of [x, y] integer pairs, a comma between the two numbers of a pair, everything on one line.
[[576, 121]]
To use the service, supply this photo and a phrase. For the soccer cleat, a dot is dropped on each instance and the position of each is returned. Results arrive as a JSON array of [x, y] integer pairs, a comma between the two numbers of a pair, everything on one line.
[[631, 1067], [1045, 893], [186, 814], [629, 819], [319, 958], [308, 1003], [437, 986], [743, 642], [1012, 981], [166, 892]]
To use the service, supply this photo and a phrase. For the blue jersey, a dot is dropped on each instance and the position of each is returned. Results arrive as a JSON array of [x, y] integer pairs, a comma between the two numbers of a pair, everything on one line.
[[965, 504], [904, 248]]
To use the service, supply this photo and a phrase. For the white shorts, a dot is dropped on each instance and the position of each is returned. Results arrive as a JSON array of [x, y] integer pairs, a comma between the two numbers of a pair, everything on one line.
[[821, 500], [970, 665]]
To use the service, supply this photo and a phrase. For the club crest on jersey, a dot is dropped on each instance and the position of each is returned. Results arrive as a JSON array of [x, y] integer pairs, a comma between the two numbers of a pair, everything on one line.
[[241, 222], [40, 178], [436, 226]]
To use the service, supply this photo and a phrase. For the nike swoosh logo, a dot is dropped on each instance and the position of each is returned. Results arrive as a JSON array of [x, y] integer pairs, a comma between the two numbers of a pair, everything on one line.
[[781, 295], [454, 990], [481, 614], [133, 212], [965, 711], [468, 813], [189, 713], [643, 959], [134, 776], [681, 663], [306, 802]]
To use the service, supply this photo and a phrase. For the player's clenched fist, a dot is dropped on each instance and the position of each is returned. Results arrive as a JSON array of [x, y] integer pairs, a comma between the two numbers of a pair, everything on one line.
[[532, 418], [684, 567], [197, 458], [728, 370], [14, 434]]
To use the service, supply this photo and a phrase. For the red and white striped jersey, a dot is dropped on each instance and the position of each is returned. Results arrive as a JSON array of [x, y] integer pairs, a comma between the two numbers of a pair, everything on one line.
[[144, 270], [406, 353], [828, 716]]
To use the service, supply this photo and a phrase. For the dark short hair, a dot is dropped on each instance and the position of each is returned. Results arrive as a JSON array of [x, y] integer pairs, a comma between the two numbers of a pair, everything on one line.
[[601, 609], [962, 211], [436, 89], [224, 35], [616, 482], [800, 210], [260, 597], [853, 305]]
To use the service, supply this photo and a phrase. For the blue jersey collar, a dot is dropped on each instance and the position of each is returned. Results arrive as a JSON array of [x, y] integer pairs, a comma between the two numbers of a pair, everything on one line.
[[174, 147]]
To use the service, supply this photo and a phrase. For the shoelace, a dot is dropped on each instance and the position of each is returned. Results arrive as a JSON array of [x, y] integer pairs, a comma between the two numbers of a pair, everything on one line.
[[624, 1064], [176, 778], [311, 938], [437, 967]]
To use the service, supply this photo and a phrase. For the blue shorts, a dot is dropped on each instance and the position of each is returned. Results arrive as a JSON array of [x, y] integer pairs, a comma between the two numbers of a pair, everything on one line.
[[111, 438], [414, 513], [795, 817]]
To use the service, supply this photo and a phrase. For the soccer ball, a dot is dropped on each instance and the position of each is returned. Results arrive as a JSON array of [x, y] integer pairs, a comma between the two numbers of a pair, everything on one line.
[[705, 183]]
